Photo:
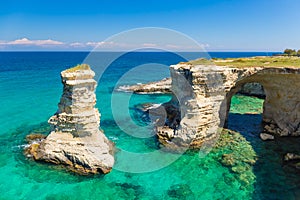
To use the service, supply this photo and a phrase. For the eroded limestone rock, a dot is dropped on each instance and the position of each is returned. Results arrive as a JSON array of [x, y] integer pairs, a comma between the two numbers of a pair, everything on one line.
[[204, 95], [75, 139]]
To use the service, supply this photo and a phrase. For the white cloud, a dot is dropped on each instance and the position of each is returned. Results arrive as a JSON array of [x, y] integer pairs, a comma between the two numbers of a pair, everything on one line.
[[149, 45], [25, 41], [77, 44], [92, 44], [100, 44], [103, 45], [194, 47]]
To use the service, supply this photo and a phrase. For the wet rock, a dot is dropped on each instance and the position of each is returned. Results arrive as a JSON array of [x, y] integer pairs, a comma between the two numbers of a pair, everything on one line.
[[35, 138], [265, 136], [291, 157]]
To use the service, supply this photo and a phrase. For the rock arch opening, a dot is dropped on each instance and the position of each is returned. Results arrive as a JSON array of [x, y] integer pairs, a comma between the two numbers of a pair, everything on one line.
[[242, 93], [281, 105]]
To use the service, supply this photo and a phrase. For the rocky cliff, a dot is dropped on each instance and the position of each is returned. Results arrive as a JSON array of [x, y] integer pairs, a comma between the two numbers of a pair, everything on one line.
[[164, 87], [75, 139], [202, 96]]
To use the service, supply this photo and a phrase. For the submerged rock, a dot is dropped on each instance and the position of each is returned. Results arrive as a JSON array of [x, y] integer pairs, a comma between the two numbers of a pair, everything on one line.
[[75, 139], [181, 191], [291, 157], [266, 136], [237, 154]]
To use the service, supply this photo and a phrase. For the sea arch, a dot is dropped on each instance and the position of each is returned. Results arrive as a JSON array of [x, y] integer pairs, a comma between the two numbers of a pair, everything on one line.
[[206, 108]]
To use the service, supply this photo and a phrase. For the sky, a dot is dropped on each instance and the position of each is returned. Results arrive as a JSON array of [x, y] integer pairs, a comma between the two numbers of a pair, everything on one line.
[[218, 25]]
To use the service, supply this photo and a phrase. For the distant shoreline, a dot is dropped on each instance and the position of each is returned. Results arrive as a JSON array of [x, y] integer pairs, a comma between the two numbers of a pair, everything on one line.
[[89, 51]]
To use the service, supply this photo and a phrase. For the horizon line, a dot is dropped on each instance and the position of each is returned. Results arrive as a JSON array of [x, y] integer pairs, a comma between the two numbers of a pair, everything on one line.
[[120, 51]]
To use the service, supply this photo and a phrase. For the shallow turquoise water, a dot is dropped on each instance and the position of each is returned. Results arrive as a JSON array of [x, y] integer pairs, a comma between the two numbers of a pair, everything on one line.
[[29, 97]]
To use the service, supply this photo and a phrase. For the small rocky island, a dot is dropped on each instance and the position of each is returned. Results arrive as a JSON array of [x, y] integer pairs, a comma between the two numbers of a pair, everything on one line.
[[75, 140]]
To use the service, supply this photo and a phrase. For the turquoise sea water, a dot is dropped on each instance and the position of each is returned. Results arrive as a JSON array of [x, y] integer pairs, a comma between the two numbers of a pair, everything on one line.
[[30, 90]]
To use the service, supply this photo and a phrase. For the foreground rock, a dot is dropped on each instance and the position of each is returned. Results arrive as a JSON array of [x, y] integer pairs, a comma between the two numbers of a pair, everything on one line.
[[75, 139]]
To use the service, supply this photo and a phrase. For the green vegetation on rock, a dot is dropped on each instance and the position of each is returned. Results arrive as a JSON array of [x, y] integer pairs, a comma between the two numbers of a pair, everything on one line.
[[259, 61], [78, 67], [200, 61]]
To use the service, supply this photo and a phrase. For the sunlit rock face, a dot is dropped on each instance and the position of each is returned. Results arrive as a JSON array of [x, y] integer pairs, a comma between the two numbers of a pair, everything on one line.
[[202, 95], [75, 139]]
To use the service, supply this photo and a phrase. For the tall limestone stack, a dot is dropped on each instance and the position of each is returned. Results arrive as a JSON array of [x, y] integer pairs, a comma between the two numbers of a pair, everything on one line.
[[75, 139], [199, 92]]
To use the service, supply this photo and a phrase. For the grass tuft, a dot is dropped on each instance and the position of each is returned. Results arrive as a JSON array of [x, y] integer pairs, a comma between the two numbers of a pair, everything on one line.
[[78, 67]]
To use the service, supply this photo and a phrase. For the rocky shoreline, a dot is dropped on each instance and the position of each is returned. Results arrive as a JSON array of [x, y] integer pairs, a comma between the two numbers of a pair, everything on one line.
[[164, 87], [75, 140], [158, 87], [202, 96]]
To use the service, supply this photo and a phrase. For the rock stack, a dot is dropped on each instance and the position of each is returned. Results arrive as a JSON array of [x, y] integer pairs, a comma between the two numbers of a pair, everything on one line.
[[75, 139]]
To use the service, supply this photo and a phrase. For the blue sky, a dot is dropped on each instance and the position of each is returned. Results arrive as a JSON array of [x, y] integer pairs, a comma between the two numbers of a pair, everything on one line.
[[222, 25]]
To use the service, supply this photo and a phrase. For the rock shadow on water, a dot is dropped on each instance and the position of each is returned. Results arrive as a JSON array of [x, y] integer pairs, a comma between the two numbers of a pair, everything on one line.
[[274, 178]]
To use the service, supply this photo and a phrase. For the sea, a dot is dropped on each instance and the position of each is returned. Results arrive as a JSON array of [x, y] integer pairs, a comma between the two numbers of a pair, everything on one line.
[[31, 87]]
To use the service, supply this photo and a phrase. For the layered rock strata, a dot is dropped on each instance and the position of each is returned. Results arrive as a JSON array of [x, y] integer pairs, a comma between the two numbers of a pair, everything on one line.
[[203, 95], [164, 87], [75, 139]]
